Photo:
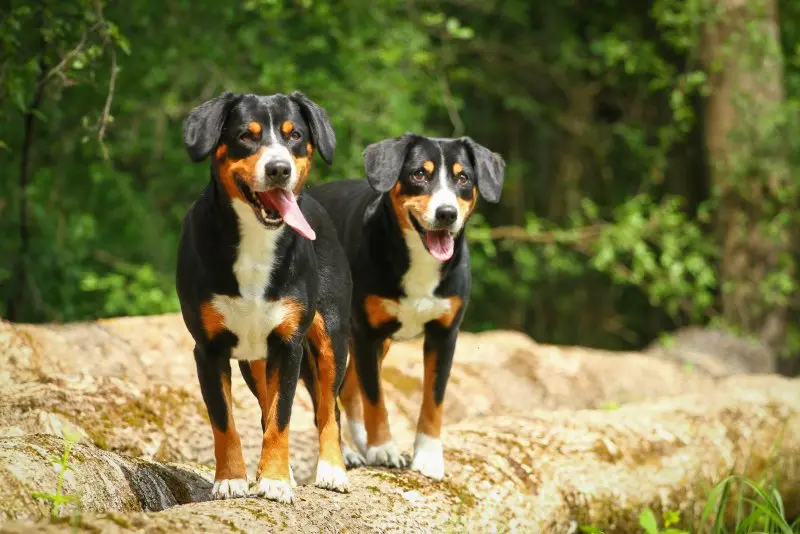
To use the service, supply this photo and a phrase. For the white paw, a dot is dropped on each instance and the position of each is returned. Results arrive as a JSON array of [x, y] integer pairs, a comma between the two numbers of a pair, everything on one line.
[[385, 455], [428, 457], [229, 489], [331, 477], [358, 433], [275, 490], [352, 458]]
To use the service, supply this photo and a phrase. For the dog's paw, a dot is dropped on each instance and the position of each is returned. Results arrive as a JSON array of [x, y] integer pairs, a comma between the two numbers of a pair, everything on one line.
[[229, 489], [352, 458], [331, 477], [428, 457], [385, 455], [275, 490], [358, 433]]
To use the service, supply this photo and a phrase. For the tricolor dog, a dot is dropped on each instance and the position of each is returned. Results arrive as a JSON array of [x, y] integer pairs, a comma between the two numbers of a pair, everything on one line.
[[403, 230], [262, 278]]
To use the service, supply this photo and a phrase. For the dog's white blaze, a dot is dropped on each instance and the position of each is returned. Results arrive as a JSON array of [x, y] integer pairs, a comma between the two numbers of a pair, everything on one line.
[[250, 316], [273, 128], [443, 195], [420, 305], [275, 151]]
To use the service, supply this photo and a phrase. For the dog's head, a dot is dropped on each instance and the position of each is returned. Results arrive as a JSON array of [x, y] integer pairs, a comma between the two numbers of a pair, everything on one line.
[[433, 184], [261, 148]]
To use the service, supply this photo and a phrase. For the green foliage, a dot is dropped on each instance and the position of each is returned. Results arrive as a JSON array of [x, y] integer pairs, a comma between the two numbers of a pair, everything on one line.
[[649, 523], [759, 509], [606, 231], [61, 466], [105, 230]]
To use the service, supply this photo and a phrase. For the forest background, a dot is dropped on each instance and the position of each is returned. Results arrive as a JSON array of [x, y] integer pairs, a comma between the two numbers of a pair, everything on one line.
[[652, 148]]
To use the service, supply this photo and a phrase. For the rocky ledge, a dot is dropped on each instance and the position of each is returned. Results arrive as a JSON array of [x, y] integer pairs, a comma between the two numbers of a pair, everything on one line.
[[538, 438]]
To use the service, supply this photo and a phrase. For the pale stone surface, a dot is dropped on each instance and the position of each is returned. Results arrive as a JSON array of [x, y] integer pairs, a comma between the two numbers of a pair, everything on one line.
[[536, 437]]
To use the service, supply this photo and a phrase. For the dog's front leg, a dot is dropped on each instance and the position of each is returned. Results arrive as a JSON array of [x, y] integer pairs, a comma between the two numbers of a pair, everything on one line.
[[214, 373], [282, 372], [368, 353], [439, 346]]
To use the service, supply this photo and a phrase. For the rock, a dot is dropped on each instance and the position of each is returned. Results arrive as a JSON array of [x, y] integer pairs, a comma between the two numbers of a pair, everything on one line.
[[538, 472], [715, 352], [102, 481], [130, 384], [537, 437]]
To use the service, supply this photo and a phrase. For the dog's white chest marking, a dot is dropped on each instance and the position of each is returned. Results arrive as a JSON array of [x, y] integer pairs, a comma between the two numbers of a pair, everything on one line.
[[420, 305], [250, 316]]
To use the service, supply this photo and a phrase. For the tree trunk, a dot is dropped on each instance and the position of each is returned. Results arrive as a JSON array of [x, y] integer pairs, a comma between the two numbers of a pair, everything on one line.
[[748, 162]]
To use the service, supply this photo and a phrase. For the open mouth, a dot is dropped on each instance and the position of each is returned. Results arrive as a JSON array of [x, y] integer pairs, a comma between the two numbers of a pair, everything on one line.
[[440, 243], [276, 206], [265, 210]]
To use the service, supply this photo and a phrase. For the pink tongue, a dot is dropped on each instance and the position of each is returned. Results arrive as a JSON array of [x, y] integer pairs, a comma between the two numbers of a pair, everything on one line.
[[285, 202], [440, 244]]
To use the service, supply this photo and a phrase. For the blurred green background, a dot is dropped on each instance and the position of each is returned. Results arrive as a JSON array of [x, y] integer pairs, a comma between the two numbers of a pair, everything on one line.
[[652, 147]]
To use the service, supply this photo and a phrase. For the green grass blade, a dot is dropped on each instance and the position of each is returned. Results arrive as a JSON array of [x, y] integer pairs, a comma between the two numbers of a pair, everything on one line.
[[778, 500], [719, 523], [772, 516], [748, 524]]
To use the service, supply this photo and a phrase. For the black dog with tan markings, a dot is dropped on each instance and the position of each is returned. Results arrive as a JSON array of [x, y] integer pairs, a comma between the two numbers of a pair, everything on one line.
[[262, 277], [403, 230]]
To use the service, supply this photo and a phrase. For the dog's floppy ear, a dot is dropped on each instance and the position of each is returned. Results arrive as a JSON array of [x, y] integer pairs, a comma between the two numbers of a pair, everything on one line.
[[322, 133], [383, 161], [203, 127], [489, 168]]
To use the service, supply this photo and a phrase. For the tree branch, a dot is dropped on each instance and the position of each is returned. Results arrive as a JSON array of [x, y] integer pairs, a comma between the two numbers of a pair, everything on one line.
[[517, 233], [452, 110], [112, 79], [104, 118]]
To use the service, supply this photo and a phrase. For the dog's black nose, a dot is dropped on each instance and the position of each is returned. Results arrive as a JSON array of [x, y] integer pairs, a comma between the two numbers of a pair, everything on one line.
[[446, 215], [278, 172]]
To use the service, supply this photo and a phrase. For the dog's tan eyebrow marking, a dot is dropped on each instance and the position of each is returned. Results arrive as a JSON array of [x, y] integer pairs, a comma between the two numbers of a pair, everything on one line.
[[287, 127], [254, 128], [457, 168], [429, 166]]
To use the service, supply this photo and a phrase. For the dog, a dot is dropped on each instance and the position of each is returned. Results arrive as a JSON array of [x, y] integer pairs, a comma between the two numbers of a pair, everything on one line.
[[262, 279], [403, 231]]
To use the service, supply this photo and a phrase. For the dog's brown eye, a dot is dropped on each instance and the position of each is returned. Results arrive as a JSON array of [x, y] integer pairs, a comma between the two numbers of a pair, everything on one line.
[[295, 135], [249, 136], [420, 175], [463, 179]]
